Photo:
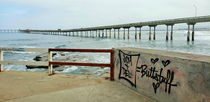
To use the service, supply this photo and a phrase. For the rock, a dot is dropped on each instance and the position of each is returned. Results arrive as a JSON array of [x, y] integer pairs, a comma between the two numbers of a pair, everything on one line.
[[43, 57], [62, 54], [35, 66]]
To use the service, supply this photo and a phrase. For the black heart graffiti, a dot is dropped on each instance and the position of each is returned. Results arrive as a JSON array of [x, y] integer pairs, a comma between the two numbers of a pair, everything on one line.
[[154, 61], [165, 63]]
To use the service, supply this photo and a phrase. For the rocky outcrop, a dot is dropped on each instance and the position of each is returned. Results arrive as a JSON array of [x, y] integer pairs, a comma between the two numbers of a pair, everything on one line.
[[70, 57], [41, 57]]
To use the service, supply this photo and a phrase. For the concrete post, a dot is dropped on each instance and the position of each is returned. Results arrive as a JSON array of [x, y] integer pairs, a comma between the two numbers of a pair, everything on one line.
[[171, 32], [77, 33], [140, 33], [135, 33], [106, 33], [1, 59], [188, 33], [124, 34], [96, 33], [154, 33], [110, 33], [118, 33], [114, 33], [193, 33], [102, 33], [167, 33], [87, 33], [128, 33], [149, 32], [82, 33]]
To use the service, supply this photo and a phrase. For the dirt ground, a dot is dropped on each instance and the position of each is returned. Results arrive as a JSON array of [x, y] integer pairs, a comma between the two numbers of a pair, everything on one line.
[[16, 84]]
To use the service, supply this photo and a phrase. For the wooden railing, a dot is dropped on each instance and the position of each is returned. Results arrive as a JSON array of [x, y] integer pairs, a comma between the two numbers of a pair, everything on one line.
[[50, 63]]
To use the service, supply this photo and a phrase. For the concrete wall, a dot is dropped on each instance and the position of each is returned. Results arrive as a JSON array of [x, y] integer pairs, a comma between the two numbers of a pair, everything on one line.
[[164, 76]]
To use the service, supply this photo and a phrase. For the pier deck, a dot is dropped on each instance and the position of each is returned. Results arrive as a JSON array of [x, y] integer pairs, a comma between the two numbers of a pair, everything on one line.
[[17, 86]]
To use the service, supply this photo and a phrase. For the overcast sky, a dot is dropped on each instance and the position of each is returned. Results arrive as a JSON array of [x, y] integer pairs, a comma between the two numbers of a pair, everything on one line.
[[68, 14]]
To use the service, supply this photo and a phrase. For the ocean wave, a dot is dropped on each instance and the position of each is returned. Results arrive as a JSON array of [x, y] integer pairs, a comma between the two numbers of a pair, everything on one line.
[[17, 40], [60, 46]]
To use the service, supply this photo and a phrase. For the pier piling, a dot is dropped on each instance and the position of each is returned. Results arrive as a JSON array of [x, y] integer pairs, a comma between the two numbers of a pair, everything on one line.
[[188, 33], [167, 32], [171, 32], [149, 32], [118, 33]]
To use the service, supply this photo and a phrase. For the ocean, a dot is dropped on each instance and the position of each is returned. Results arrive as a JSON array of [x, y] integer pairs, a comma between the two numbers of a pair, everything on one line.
[[200, 46]]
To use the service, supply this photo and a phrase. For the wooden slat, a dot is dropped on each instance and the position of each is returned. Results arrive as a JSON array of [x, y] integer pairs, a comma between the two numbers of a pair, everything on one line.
[[112, 66], [24, 49], [80, 64], [82, 50], [40, 63]]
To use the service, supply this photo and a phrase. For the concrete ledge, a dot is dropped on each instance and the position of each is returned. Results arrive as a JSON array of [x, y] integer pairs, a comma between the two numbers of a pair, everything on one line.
[[162, 75]]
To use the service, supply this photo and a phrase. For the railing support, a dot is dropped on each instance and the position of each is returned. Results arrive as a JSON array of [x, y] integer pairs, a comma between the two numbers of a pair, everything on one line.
[[50, 67]]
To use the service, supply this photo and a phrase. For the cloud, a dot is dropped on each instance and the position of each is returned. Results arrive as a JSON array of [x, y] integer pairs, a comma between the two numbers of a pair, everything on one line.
[[67, 14]]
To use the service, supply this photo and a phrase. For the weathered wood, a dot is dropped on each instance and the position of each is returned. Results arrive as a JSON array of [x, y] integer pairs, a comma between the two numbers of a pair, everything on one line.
[[112, 66], [82, 50], [41, 63], [23, 49], [80, 64], [50, 66]]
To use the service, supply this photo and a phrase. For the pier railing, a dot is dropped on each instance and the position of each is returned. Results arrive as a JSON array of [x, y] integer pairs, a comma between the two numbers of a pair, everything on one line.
[[50, 63]]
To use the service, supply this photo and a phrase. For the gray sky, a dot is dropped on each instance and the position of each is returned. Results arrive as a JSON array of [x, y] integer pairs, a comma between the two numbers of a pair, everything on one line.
[[68, 14]]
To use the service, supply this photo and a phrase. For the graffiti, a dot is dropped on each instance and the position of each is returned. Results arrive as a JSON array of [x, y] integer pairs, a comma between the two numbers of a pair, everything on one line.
[[154, 61], [129, 69], [165, 63], [153, 73]]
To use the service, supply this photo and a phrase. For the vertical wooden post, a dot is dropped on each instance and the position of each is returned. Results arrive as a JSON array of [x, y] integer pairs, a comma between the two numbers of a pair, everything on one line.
[[112, 66], [1, 59], [99, 33], [50, 67]]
